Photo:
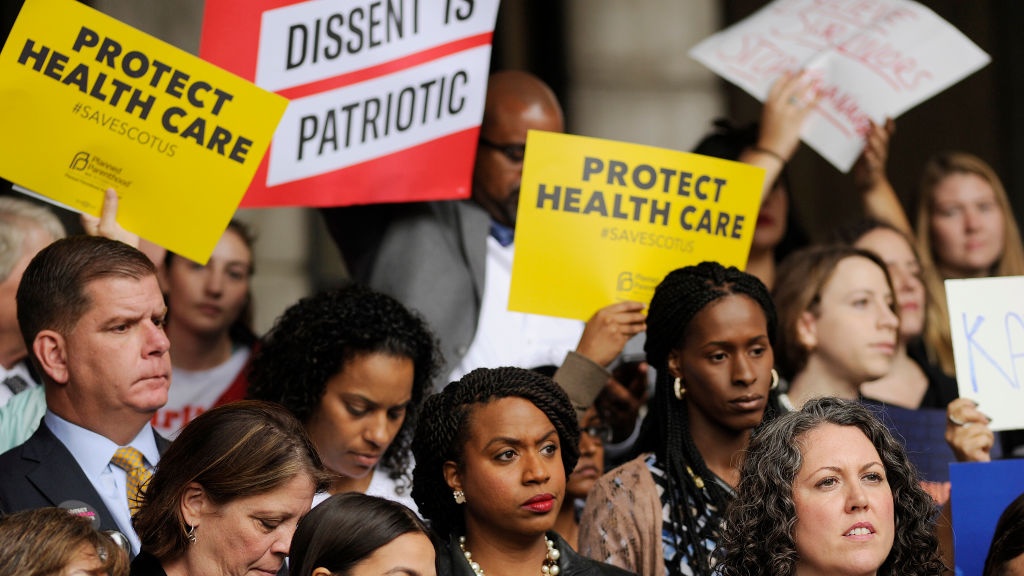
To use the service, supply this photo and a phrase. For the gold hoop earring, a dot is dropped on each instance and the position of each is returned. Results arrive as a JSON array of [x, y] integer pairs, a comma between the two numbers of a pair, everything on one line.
[[775, 379], [677, 387]]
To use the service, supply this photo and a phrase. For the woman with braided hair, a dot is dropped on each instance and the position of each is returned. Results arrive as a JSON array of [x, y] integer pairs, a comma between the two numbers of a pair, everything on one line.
[[491, 464], [709, 336]]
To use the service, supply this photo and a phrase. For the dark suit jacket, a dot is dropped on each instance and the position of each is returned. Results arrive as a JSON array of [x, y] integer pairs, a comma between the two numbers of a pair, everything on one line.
[[429, 256], [42, 472]]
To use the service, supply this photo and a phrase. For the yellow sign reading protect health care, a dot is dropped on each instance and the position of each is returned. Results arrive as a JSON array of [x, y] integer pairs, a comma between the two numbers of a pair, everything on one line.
[[602, 221], [89, 103]]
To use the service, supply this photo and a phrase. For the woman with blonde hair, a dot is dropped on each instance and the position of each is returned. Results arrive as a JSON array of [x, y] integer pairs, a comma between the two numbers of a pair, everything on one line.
[[966, 229]]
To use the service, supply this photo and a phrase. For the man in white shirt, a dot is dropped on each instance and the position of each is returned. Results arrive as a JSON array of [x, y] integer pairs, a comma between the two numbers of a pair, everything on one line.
[[451, 260], [92, 315], [25, 229]]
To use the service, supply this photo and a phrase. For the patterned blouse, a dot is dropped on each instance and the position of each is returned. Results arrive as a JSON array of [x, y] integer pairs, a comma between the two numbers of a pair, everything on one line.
[[709, 523], [627, 521]]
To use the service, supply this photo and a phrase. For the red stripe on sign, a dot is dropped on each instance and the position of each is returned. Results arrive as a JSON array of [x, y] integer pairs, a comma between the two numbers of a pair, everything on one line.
[[438, 170], [231, 33], [387, 67]]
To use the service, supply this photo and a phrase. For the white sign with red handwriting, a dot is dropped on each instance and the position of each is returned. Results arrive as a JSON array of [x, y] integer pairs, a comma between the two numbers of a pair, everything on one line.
[[872, 59]]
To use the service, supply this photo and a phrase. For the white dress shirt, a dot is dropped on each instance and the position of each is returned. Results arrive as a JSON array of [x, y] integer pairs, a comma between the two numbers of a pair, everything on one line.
[[93, 453], [505, 338]]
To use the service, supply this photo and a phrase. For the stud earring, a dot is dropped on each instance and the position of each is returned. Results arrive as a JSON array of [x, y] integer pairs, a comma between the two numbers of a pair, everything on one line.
[[460, 496], [775, 379], [677, 387]]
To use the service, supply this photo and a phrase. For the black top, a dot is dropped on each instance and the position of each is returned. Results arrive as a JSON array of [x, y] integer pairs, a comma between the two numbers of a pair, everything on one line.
[[451, 561], [145, 564], [942, 388]]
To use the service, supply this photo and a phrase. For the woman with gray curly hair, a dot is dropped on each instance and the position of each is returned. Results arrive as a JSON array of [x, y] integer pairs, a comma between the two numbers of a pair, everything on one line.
[[828, 490]]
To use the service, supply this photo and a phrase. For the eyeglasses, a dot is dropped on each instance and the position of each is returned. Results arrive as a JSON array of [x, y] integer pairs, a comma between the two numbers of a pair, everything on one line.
[[514, 152], [602, 434]]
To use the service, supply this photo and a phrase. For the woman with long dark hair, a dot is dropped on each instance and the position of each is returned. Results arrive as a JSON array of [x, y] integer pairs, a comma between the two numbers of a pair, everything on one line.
[[354, 534], [709, 336]]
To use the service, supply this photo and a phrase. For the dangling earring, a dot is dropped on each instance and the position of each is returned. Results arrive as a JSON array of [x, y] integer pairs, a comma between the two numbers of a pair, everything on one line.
[[191, 534], [677, 386], [460, 497], [775, 379]]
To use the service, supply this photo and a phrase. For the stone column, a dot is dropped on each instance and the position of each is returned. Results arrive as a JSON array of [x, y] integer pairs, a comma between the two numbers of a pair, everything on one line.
[[630, 76]]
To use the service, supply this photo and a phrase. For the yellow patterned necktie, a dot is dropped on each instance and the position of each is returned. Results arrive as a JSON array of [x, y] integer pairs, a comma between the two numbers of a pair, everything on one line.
[[130, 460]]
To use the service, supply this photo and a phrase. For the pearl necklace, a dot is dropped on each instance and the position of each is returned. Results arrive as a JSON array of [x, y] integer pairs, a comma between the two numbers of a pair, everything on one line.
[[549, 568]]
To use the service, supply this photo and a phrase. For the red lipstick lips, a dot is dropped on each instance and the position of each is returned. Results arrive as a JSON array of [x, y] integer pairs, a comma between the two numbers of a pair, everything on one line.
[[541, 503]]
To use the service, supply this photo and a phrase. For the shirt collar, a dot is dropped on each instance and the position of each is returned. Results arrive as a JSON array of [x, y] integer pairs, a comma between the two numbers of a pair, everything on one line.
[[503, 234], [93, 451]]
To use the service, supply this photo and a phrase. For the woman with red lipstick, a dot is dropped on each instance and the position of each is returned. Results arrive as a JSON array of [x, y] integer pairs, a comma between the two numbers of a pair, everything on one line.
[[208, 324], [837, 322], [829, 490], [354, 366], [491, 467], [709, 336]]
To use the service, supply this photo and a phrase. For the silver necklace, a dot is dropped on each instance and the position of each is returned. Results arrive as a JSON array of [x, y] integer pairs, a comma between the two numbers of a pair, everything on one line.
[[549, 568]]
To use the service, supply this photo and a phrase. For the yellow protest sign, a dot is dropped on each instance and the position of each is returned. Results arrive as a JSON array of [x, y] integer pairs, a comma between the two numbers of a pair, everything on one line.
[[602, 221], [91, 103]]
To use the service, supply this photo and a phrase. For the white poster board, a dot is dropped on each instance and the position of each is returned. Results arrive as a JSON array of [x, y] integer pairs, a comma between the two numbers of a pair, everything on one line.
[[986, 316], [872, 59]]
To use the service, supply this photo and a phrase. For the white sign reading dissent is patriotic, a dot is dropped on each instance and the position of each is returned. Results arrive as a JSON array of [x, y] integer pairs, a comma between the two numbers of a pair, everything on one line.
[[386, 96], [311, 41], [872, 59], [986, 317], [330, 130]]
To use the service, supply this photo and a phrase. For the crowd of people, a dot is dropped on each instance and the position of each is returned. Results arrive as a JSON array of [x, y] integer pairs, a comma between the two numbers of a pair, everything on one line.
[[409, 423]]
